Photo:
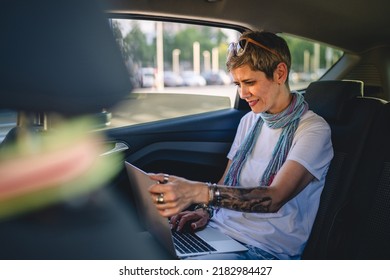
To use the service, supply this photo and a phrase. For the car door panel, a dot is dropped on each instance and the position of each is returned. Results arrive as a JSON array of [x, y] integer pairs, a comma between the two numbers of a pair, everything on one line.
[[194, 147]]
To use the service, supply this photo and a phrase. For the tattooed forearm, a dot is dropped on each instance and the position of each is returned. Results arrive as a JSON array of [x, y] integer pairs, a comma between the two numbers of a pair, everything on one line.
[[253, 200]]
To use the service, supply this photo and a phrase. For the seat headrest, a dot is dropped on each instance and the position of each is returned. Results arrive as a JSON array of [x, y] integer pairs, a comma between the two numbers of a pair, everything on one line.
[[327, 98], [59, 56]]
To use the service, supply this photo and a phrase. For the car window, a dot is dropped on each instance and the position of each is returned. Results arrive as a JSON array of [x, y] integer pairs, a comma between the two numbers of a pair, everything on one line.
[[179, 69], [309, 60]]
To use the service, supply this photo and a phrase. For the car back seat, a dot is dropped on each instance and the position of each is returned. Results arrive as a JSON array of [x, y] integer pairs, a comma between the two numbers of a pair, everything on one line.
[[350, 116], [365, 219]]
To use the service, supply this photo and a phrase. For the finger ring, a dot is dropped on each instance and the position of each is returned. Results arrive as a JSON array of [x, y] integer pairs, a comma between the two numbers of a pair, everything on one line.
[[166, 178], [160, 198]]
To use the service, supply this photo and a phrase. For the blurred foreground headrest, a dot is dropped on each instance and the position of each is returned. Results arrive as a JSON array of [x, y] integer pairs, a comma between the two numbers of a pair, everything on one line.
[[59, 56]]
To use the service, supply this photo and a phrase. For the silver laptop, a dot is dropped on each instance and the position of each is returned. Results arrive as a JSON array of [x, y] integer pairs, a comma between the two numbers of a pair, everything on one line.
[[207, 240]]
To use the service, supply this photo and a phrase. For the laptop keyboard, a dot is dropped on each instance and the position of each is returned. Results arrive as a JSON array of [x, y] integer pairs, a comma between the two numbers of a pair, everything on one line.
[[187, 242]]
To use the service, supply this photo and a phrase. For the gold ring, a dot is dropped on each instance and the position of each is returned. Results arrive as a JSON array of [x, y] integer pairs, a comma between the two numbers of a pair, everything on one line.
[[160, 198]]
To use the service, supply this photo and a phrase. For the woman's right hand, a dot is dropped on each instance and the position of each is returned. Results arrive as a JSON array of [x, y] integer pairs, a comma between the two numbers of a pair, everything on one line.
[[195, 219], [173, 194]]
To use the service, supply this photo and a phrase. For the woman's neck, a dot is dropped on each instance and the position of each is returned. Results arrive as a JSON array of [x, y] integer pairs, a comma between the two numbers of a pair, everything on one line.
[[285, 98]]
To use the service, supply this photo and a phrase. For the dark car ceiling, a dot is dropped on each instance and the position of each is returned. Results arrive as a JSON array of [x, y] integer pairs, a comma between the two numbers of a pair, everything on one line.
[[353, 25]]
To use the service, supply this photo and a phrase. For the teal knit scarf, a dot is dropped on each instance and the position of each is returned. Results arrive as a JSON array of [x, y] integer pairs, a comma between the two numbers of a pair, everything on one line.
[[288, 120]]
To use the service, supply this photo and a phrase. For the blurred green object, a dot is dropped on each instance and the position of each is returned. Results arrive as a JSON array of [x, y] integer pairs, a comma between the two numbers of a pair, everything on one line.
[[82, 169]]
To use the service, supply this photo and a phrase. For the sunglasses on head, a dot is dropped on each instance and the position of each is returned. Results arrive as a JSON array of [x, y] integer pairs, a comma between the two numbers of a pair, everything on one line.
[[239, 48]]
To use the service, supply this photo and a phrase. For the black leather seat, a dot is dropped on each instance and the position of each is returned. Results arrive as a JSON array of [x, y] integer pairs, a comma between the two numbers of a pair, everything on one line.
[[350, 116], [60, 56], [365, 219]]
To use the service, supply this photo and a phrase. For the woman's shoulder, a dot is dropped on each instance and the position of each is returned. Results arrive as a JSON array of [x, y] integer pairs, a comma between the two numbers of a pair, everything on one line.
[[312, 121], [249, 118], [311, 117]]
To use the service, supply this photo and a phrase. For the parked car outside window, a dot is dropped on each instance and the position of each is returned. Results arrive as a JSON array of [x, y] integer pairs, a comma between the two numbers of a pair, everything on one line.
[[171, 79], [217, 78], [147, 77], [192, 79]]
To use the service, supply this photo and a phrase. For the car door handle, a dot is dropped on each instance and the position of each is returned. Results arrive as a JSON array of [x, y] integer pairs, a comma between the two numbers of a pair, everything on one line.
[[118, 147]]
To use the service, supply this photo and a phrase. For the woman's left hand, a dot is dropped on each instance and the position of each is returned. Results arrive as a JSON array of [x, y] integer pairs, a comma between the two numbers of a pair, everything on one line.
[[173, 194], [197, 219]]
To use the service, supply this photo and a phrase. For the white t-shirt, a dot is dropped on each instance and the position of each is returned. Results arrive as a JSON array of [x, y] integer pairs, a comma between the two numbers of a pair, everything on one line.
[[284, 233]]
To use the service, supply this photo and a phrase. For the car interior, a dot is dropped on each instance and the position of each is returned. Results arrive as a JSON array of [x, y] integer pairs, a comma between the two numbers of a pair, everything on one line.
[[90, 78]]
